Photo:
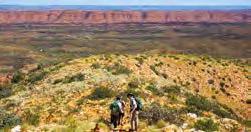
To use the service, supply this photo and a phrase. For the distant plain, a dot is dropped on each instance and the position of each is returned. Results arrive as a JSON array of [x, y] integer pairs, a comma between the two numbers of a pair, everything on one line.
[[21, 45]]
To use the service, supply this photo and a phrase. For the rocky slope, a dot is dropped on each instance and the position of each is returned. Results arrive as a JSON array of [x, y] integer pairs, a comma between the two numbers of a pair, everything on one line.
[[111, 17], [179, 92]]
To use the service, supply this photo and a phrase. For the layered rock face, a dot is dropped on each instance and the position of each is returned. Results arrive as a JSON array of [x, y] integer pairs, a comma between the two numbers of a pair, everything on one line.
[[111, 17]]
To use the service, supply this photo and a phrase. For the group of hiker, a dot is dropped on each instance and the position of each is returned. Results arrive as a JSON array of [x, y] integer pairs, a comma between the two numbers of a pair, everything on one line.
[[118, 111]]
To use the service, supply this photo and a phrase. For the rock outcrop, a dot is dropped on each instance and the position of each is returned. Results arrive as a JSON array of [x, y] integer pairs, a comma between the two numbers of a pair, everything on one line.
[[5, 79], [111, 17]]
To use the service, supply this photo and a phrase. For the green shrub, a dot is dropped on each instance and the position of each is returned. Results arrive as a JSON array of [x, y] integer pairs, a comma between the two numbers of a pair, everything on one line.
[[140, 60], [207, 125], [5, 91], [70, 79], [247, 123], [135, 83], [96, 65], [192, 109], [31, 118], [57, 81], [222, 84], [74, 78], [36, 76], [118, 69], [8, 120], [102, 93], [223, 113], [210, 81], [159, 64], [81, 101], [17, 77], [172, 89], [153, 88], [155, 113], [201, 103], [153, 68]]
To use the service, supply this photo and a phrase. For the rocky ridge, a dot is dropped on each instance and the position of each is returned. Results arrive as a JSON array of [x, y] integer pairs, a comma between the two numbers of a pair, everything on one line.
[[112, 17]]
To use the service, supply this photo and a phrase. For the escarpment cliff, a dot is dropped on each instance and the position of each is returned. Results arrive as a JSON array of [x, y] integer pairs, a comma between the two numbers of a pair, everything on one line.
[[111, 17]]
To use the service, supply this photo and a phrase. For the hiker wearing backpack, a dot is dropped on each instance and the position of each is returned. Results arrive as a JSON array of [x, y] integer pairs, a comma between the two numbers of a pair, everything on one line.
[[115, 108], [135, 107], [122, 111]]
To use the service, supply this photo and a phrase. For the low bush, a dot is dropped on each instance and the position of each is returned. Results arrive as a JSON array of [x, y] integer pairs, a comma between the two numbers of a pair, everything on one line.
[[172, 89], [155, 113], [17, 77], [70, 79], [159, 64], [153, 68], [206, 125], [210, 81], [81, 101], [192, 109], [31, 118], [8, 120], [96, 65], [153, 88], [118, 69], [36, 76], [201, 103], [247, 123], [5, 91], [140, 60], [135, 83], [74, 78], [102, 93]]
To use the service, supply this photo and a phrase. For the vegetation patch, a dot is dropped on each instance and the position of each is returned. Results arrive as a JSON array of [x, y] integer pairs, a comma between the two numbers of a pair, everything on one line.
[[17, 77], [174, 89], [201, 103], [70, 79], [36, 76], [32, 118], [96, 65], [154, 69], [102, 93], [156, 112], [8, 120], [74, 78], [153, 88], [206, 125], [5, 91], [135, 83], [140, 60], [118, 69]]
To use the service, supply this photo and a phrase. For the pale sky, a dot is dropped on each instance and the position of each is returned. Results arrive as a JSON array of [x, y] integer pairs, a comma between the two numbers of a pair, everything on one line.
[[125, 2]]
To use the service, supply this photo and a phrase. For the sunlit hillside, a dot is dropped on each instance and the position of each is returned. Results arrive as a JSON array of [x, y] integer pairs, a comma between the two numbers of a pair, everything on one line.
[[179, 92]]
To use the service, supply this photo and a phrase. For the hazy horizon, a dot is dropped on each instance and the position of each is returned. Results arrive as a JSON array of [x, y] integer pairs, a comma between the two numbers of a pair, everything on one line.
[[128, 3]]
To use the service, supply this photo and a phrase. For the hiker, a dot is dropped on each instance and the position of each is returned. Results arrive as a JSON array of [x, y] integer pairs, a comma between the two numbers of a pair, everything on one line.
[[135, 107], [115, 108], [122, 111]]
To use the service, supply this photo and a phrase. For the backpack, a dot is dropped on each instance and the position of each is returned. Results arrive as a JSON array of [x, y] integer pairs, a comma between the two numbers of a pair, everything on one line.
[[139, 104], [114, 107]]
